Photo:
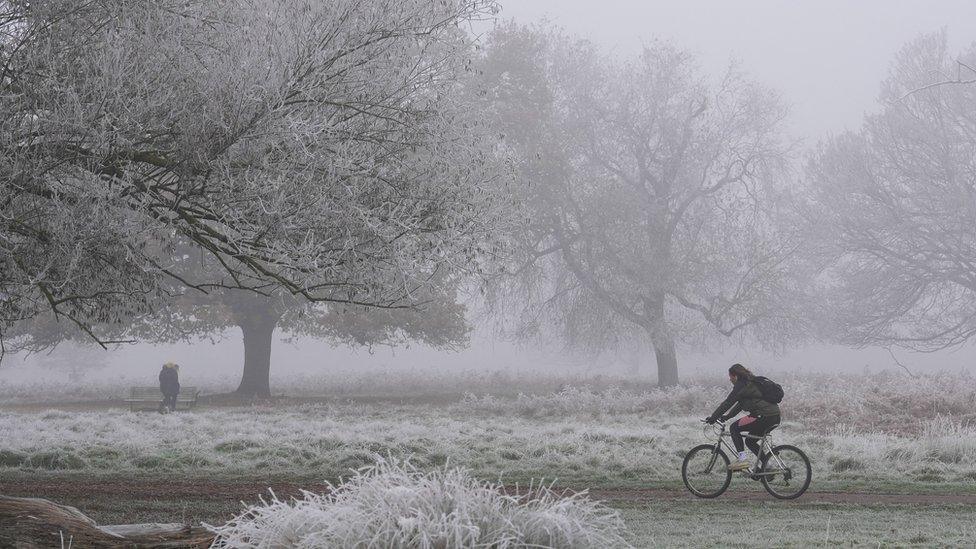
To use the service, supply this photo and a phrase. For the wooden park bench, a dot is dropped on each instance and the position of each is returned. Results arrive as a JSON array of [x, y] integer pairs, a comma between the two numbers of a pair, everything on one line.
[[149, 398]]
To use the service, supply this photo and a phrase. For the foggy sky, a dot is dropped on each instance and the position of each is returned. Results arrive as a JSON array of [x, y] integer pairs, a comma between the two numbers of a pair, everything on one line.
[[826, 57]]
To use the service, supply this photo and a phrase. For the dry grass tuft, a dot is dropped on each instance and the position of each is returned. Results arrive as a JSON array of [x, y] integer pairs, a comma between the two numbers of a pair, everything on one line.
[[394, 505]]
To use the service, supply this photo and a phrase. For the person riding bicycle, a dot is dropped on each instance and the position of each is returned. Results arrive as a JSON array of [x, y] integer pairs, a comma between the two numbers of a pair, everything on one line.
[[763, 416]]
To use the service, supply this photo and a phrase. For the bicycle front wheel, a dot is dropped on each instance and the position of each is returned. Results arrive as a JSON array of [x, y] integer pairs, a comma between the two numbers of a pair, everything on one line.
[[705, 471], [786, 472]]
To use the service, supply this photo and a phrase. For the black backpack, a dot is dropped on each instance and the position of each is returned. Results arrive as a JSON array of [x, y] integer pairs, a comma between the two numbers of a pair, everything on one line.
[[771, 391]]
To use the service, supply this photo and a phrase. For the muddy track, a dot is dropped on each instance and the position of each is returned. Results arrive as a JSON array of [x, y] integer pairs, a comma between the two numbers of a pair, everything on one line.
[[250, 490], [855, 498]]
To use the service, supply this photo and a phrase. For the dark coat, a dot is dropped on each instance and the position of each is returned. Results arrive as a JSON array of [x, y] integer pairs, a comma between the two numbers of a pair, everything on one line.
[[169, 381], [745, 395]]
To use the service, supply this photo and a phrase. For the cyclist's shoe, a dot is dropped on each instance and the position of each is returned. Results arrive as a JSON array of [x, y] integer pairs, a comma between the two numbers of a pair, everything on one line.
[[739, 465]]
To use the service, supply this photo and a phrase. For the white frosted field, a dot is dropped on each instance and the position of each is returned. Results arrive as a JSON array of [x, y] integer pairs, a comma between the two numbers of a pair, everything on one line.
[[888, 429]]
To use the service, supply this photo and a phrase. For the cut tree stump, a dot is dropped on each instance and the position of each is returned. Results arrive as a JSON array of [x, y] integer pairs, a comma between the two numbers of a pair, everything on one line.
[[26, 523]]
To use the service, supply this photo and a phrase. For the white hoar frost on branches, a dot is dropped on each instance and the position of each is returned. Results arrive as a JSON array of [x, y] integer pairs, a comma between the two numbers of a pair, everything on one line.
[[892, 207], [319, 148], [651, 213]]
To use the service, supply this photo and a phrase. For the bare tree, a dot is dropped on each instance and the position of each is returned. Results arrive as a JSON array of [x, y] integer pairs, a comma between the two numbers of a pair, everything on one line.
[[646, 190], [314, 148], [893, 207]]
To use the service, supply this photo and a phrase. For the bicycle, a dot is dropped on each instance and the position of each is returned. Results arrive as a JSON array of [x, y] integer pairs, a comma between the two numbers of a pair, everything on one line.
[[783, 470]]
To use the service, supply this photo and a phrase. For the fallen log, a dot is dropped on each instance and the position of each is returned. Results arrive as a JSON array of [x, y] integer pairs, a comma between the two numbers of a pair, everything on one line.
[[28, 523]]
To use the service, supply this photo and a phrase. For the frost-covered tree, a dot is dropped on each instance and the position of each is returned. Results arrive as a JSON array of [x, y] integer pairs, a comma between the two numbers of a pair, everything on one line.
[[439, 321], [318, 149], [646, 189], [434, 317], [893, 206], [188, 315]]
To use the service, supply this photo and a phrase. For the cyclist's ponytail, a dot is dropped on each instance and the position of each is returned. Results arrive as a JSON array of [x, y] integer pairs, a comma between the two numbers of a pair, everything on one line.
[[741, 372]]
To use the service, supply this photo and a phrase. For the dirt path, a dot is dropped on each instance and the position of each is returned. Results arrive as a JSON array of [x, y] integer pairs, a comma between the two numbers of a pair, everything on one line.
[[250, 490], [857, 498]]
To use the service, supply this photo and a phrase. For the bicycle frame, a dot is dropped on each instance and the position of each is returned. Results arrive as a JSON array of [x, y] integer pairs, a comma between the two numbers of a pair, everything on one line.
[[765, 447]]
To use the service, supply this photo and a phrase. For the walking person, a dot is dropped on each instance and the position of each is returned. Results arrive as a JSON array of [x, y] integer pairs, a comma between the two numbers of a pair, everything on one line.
[[763, 416], [169, 385]]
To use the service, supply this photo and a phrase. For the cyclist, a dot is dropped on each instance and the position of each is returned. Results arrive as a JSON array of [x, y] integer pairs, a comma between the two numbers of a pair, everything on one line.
[[763, 415]]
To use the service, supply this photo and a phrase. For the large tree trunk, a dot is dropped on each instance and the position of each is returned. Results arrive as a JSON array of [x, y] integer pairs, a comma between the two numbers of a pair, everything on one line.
[[258, 331], [667, 361], [663, 343]]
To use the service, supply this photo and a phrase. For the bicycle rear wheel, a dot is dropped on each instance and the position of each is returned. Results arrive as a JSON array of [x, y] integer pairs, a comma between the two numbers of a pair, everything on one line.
[[786, 472], [705, 471]]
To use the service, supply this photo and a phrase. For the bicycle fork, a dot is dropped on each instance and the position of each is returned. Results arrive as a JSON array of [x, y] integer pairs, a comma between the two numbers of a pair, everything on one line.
[[711, 463]]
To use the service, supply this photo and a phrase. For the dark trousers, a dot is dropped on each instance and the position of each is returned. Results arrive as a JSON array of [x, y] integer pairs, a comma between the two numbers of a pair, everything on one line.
[[169, 401], [755, 426]]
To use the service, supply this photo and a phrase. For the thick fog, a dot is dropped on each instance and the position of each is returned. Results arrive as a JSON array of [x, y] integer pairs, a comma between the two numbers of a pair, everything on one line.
[[487, 273], [826, 59]]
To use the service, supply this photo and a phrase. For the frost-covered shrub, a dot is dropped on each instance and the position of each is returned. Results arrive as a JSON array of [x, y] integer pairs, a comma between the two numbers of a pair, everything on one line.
[[55, 459], [889, 403], [586, 401], [942, 441], [393, 505], [885, 402]]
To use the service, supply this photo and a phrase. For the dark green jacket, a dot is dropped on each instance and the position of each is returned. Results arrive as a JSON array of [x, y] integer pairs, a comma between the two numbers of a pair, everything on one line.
[[746, 396]]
